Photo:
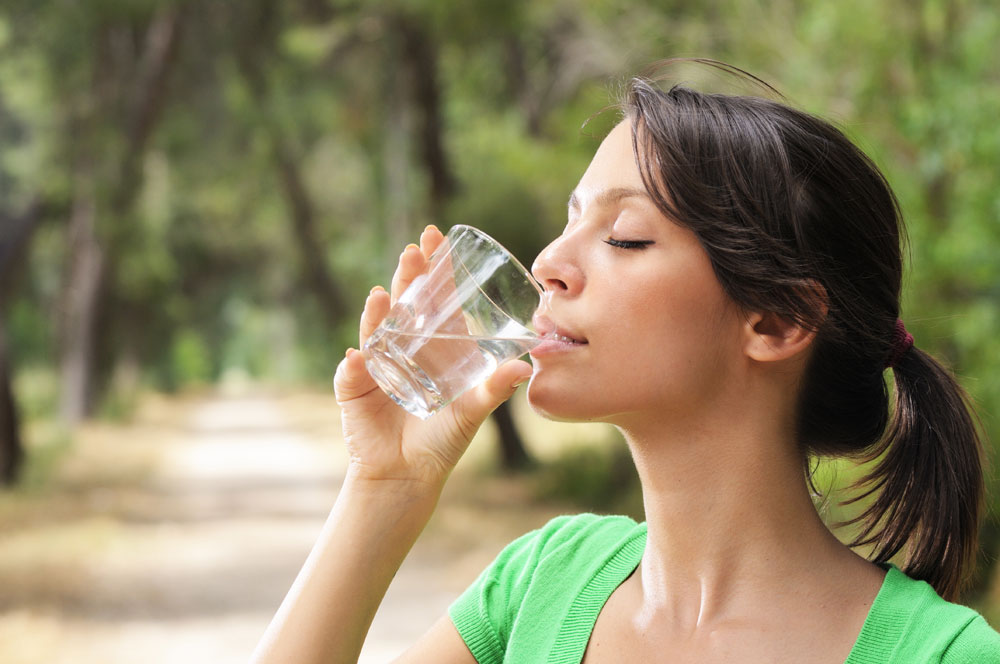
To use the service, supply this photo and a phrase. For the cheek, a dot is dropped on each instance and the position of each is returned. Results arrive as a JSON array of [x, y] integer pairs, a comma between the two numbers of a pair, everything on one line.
[[665, 316], [672, 337], [661, 346]]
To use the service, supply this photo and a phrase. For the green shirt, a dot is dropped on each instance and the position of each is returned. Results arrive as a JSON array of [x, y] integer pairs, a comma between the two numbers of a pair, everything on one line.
[[539, 600]]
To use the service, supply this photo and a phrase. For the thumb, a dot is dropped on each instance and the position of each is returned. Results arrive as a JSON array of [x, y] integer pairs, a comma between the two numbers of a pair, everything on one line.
[[352, 379], [476, 404]]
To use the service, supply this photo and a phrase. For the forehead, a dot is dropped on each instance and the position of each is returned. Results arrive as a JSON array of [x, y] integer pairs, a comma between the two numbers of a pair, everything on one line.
[[613, 167]]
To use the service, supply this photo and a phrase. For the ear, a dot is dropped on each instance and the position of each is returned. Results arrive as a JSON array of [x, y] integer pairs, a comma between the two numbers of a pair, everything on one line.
[[771, 337]]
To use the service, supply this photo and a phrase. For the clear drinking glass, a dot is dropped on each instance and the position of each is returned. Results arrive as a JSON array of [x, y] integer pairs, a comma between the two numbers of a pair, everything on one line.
[[455, 324]]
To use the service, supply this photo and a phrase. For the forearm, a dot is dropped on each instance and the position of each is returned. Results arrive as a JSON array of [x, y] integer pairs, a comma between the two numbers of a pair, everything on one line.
[[328, 610]]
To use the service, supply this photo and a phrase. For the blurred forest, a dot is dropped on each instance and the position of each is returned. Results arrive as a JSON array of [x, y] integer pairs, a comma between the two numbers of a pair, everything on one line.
[[194, 192]]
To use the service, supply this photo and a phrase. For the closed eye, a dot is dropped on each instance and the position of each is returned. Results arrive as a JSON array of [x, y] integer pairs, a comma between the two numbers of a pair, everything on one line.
[[629, 244]]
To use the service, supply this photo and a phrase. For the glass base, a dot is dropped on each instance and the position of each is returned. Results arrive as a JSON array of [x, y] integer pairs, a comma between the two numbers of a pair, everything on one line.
[[404, 383]]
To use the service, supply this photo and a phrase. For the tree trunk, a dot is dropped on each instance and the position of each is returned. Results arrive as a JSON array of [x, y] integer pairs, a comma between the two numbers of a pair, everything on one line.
[[303, 216], [417, 54], [80, 301], [397, 119], [11, 448], [513, 454], [258, 37], [149, 92], [91, 253], [15, 239]]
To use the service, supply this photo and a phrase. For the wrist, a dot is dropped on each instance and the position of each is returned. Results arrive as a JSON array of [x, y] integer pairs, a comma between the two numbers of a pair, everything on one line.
[[401, 490]]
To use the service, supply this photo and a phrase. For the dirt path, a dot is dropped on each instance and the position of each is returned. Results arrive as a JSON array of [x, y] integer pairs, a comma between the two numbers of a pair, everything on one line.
[[173, 539]]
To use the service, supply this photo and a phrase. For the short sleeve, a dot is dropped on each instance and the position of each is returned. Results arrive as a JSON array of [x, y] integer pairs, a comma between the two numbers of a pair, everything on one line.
[[515, 608], [484, 614], [977, 643]]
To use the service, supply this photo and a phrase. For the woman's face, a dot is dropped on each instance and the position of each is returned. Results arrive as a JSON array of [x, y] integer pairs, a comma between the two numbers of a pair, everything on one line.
[[653, 332]]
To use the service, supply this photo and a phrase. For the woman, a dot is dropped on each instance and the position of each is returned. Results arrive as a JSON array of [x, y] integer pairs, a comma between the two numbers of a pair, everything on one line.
[[727, 295]]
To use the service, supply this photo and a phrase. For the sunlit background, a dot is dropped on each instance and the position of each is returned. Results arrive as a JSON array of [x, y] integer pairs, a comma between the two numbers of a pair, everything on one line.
[[195, 198]]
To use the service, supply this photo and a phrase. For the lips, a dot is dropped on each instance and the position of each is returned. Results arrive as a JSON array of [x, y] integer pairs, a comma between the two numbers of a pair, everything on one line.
[[563, 338], [556, 338], [548, 329]]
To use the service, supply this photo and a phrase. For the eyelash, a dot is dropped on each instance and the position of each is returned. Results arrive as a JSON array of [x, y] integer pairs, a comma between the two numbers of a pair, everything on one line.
[[629, 244]]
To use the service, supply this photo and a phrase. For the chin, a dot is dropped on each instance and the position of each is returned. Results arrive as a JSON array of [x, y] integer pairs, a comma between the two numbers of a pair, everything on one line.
[[560, 405]]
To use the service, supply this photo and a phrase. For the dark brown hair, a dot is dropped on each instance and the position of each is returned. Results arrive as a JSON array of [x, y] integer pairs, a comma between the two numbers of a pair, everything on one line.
[[783, 202]]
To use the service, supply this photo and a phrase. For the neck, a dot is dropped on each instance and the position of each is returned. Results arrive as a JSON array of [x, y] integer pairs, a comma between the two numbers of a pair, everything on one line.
[[728, 513]]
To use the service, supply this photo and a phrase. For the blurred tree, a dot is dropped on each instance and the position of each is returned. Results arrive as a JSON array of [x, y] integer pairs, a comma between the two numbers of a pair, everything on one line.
[[11, 447], [127, 70], [302, 143], [258, 28], [416, 56], [15, 236]]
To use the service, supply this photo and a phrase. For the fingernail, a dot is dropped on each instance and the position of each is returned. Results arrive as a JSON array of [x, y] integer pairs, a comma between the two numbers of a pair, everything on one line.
[[432, 227], [375, 289], [520, 381], [410, 246], [350, 353]]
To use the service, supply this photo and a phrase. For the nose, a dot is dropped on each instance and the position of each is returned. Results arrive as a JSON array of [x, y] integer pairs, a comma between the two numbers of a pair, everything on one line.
[[557, 268]]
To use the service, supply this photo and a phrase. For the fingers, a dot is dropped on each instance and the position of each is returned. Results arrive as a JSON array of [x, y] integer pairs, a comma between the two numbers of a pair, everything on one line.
[[413, 260], [472, 408], [430, 240], [352, 379], [376, 307], [411, 264]]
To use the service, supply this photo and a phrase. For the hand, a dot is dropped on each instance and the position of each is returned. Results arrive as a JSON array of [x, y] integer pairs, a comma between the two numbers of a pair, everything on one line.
[[384, 441]]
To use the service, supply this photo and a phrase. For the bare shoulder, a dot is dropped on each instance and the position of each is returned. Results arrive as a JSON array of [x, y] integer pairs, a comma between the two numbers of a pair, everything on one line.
[[441, 644]]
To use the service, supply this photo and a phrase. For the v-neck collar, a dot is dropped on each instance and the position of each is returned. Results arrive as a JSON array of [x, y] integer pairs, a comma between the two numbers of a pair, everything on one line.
[[879, 636]]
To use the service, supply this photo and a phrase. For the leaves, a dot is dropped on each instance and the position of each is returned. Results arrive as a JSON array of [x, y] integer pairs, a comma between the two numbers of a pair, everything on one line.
[[205, 253]]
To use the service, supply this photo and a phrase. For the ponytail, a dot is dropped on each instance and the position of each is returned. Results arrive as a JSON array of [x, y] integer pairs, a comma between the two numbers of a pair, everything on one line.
[[782, 201], [928, 478]]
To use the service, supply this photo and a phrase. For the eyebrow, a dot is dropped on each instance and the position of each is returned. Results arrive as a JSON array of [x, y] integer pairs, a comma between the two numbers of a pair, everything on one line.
[[609, 196]]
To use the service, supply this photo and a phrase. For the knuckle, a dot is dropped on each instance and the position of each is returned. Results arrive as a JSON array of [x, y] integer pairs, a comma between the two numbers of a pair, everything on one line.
[[465, 423]]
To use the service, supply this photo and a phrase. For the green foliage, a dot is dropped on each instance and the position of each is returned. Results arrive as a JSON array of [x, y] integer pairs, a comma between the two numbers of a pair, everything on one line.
[[47, 447], [37, 390], [118, 404], [206, 269], [598, 478], [191, 359]]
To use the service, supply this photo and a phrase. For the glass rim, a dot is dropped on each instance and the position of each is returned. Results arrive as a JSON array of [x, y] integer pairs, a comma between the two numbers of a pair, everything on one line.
[[517, 263]]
